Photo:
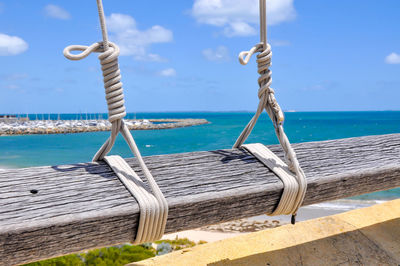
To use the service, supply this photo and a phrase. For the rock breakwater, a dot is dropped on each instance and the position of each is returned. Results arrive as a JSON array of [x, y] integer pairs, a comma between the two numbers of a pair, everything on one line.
[[80, 126]]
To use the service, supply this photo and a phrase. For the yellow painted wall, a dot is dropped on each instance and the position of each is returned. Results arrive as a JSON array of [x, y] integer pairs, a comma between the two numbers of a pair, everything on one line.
[[369, 236]]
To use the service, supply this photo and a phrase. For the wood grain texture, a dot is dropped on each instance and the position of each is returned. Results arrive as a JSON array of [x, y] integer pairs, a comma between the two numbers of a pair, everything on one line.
[[84, 206]]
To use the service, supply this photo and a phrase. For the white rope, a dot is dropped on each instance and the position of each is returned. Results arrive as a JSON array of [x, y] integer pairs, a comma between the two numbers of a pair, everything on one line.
[[153, 206], [287, 202], [271, 106]]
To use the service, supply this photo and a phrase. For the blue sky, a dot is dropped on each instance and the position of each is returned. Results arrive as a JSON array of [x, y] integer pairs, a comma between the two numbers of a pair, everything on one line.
[[182, 55]]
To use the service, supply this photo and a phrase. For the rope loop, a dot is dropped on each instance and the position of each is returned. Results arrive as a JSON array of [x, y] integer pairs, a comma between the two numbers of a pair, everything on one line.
[[86, 50], [268, 102], [244, 57], [153, 206], [111, 74], [264, 81]]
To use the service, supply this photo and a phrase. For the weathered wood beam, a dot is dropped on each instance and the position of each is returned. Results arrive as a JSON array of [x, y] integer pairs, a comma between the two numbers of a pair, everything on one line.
[[51, 211]]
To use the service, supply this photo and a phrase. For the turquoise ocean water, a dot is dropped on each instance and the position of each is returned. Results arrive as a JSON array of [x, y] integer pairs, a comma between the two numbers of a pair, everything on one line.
[[36, 150]]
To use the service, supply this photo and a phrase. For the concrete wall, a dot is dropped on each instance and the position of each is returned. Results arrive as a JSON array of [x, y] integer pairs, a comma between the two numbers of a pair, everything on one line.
[[368, 236]]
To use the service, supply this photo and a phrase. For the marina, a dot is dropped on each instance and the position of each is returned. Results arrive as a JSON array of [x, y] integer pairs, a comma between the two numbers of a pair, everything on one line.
[[23, 126]]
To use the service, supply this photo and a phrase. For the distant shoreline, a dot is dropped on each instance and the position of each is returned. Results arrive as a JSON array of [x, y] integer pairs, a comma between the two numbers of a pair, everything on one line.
[[43, 127]]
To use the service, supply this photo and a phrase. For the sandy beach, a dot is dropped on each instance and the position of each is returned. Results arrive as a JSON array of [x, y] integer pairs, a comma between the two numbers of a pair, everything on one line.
[[230, 229]]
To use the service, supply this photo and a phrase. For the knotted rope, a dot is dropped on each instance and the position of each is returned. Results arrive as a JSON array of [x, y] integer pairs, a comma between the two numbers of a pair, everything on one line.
[[153, 206], [266, 94]]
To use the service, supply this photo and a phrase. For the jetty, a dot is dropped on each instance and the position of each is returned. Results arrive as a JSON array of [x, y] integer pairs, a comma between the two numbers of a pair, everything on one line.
[[16, 126], [56, 210]]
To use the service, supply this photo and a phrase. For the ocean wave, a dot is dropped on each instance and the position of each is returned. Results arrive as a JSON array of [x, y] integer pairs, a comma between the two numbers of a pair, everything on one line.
[[8, 157], [345, 204], [5, 167]]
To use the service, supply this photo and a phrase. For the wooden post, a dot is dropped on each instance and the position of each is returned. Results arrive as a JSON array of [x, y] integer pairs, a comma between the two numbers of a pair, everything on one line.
[[55, 210]]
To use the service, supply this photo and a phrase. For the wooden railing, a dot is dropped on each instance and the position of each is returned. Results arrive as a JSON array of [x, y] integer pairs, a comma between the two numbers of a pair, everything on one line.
[[56, 210]]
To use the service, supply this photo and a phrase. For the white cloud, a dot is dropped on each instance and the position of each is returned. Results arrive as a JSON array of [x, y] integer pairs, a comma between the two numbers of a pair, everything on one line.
[[133, 41], [220, 54], [169, 72], [57, 12], [393, 58], [153, 57], [11, 45], [12, 86], [280, 43], [15, 76], [238, 17], [239, 28]]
